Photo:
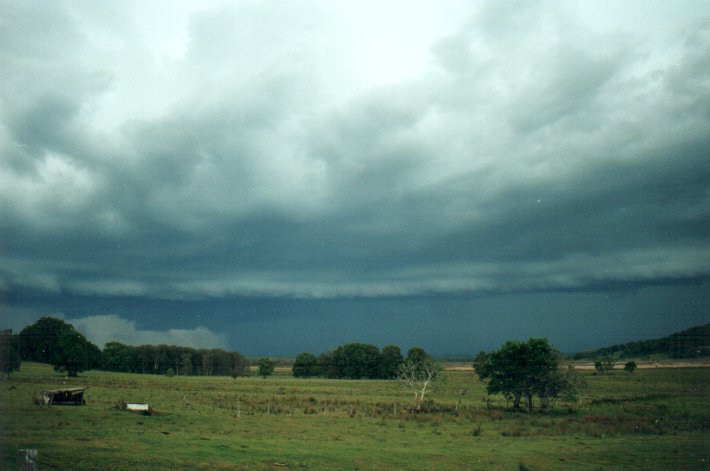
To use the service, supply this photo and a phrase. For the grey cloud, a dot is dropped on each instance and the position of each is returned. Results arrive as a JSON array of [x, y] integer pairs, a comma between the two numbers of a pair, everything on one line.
[[558, 164]]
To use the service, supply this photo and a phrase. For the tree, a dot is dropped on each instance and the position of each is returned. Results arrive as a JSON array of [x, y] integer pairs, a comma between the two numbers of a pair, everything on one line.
[[116, 357], [326, 364], [266, 367], [357, 360], [9, 352], [559, 384], [604, 364], [238, 364], [416, 355], [38, 342], [630, 366], [523, 370], [390, 359], [53, 341], [74, 354], [186, 362], [305, 365], [419, 373], [144, 358]]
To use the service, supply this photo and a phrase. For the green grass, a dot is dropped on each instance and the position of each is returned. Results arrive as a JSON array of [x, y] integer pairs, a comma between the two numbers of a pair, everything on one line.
[[651, 419]]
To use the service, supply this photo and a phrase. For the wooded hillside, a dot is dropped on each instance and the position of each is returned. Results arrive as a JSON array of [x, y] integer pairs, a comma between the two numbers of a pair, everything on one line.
[[689, 343]]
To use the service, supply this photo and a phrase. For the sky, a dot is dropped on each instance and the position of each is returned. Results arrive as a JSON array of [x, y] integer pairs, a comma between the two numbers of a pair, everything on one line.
[[274, 177]]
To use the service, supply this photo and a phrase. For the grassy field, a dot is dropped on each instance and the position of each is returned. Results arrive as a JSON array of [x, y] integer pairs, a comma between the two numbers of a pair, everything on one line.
[[652, 419]]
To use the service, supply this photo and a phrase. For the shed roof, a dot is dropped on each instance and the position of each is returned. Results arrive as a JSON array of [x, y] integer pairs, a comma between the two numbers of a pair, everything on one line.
[[64, 390]]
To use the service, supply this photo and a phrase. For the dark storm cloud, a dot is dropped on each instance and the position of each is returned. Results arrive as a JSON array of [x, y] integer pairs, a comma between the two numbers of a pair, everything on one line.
[[536, 153]]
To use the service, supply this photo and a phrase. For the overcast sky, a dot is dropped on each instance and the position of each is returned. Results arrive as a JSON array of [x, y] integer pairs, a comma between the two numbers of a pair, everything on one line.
[[277, 176]]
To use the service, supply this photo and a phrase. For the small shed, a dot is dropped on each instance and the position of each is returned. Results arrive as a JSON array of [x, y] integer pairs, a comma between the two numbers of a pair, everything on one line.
[[66, 396]]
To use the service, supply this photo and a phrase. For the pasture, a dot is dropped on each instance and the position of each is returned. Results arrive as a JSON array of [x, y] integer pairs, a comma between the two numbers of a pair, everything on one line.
[[652, 419]]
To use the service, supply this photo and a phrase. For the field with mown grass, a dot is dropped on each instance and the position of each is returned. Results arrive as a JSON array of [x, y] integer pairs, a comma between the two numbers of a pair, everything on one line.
[[652, 419]]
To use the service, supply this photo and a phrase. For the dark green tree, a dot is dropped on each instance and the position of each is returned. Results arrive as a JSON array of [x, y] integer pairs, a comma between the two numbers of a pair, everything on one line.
[[630, 366], [144, 358], [357, 360], [305, 365], [266, 367], [416, 355], [326, 364], [9, 352], [238, 366], [73, 353], [116, 357], [390, 359], [38, 342], [522, 370]]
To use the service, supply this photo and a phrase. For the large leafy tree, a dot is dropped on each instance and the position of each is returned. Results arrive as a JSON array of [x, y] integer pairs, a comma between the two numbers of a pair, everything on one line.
[[38, 342], [523, 370], [305, 365], [53, 341], [357, 360], [74, 354], [9, 352]]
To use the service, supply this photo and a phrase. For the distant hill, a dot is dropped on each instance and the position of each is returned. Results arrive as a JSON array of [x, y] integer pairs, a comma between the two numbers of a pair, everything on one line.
[[689, 343]]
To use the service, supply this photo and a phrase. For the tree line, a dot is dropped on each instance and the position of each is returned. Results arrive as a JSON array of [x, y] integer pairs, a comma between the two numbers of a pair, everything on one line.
[[521, 371], [172, 360], [59, 344], [356, 361]]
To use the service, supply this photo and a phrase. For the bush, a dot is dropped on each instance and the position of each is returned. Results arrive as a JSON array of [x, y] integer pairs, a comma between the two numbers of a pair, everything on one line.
[[266, 367], [630, 366], [305, 366], [604, 364]]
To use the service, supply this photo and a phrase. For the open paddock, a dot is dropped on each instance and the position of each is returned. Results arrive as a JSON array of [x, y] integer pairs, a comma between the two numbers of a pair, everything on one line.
[[655, 418]]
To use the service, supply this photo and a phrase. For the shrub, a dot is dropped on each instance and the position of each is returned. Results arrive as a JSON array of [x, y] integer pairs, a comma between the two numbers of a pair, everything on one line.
[[604, 364], [305, 366], [266, 367], [630, 366]]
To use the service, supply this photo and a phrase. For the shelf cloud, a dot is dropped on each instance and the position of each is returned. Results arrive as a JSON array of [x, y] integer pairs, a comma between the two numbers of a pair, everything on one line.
[[256, 149]]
